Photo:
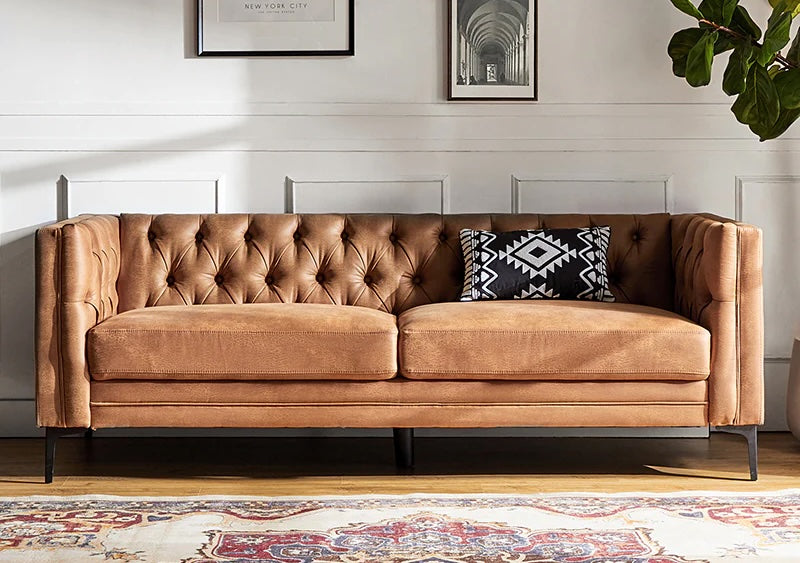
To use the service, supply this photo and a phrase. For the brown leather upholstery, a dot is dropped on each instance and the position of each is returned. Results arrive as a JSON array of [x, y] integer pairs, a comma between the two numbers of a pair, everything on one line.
[[245, 342], [386, 262], [398, 402], [718, 266], [551, 340], [92, 268], [77, 267], [589, 415]]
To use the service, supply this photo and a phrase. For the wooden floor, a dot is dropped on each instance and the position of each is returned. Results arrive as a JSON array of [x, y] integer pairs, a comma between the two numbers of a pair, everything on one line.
[[334, 466]]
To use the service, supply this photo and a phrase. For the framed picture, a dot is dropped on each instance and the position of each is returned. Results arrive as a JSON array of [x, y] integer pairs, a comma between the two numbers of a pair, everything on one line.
[[276, 28], [492, 50]]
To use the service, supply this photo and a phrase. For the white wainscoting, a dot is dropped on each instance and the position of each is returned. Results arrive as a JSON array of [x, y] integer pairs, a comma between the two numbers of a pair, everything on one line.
[[418, 194], [571, 194], [772, 202], [114, 196]]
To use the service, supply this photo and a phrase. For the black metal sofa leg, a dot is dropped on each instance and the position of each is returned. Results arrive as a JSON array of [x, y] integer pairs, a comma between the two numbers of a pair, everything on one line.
[[51, 437], [404, 447], [751, 435]]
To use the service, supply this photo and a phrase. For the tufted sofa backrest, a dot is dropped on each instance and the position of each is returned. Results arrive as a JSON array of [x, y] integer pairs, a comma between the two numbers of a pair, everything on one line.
[[385, 262]]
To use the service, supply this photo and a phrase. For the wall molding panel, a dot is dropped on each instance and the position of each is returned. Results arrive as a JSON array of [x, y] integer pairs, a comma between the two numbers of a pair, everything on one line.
[[579, 194], [773, 202], [383, 127], [405, 194], [114, 196]]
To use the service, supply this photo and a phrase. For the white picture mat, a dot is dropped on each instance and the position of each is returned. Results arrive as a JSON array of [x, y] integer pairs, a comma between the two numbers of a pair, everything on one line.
[[276, 35], [493, 91], [250, 11]]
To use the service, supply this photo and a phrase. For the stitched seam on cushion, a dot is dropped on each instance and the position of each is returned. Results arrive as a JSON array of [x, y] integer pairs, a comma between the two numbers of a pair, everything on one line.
[[406, 331], [60, 325], [396, 404], [737, 312], [559, 371], [234, 331], [241, 372]]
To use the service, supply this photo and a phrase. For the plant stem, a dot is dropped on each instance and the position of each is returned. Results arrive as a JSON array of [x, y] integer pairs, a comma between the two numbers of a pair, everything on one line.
[[736, 35]]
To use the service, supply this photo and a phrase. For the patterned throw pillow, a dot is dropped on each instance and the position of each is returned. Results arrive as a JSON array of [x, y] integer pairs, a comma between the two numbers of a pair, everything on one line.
[[540, 264]]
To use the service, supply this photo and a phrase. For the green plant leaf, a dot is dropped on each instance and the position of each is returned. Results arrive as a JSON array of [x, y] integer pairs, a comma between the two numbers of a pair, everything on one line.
[[792, 6], [736, 72], [687, 8], [679, 47], [699, 61], [679, 67], [785, 120], [776, 36], [758, 105], [794, 51], [683, 41], [728, 7], [724, 43], [743, 23], [787, 83], [718, 11]]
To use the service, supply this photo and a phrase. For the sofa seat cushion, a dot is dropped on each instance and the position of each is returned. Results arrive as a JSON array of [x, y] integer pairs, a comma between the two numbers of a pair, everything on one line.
[[278, 341], [551, 340]]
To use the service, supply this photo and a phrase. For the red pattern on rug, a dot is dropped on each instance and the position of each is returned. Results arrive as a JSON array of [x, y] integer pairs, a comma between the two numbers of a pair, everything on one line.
[[404, 529]]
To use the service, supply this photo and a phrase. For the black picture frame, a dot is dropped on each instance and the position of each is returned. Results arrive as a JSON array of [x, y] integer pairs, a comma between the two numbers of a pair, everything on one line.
[[348, 52], [455, 91]]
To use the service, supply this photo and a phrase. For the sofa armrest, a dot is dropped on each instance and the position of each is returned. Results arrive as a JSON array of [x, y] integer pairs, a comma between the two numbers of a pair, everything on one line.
[[77, 266], [718, 284]]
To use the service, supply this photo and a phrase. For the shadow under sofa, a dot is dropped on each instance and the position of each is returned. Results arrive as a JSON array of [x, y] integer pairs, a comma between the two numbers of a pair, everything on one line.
[[326, 321]]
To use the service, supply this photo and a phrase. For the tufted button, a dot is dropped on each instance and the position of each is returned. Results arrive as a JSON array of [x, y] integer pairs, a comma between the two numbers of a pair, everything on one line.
[[442, 236], [248, 236], [636, 237], [416, 280], [368, 279], [170, 280], [320, 277], [269, 280], [345, 236], [218, 279], [198, 237], [151, 236], [297, 235], [392, 238]]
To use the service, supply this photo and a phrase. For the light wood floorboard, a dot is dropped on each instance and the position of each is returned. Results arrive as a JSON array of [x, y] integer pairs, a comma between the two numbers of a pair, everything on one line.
[[342, 466]]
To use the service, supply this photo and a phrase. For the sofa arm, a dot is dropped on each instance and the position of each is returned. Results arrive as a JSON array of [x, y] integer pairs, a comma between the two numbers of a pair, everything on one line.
[[718, 265], [77, 266]]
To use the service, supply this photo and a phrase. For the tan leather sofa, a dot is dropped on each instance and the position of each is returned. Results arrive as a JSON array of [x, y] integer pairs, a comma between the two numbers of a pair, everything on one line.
[[353, 321]]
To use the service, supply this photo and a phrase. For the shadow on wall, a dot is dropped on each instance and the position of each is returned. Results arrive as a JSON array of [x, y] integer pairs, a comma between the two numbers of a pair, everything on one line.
[[17, 255], [30, 181]]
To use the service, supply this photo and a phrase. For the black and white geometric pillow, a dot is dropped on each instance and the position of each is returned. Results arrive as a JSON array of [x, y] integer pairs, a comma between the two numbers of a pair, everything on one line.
[[540, 264]]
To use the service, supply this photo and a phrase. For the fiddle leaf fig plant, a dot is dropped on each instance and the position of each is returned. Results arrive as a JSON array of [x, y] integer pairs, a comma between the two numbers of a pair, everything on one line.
[[766, 83]]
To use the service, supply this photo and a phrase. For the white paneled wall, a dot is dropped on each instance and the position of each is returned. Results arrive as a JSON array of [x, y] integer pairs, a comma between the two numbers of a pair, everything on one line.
[[574, 194], [121, 108], [423, 194], [76, 197]]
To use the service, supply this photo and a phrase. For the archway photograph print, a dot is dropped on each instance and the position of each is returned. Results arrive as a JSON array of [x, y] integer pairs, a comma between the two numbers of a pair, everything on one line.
[[492, 50]]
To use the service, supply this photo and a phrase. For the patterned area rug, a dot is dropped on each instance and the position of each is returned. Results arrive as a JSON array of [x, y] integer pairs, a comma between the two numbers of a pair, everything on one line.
[[572, 528]]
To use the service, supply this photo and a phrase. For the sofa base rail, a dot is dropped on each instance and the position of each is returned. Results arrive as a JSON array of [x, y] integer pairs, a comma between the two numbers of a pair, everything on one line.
[[403, 446]]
